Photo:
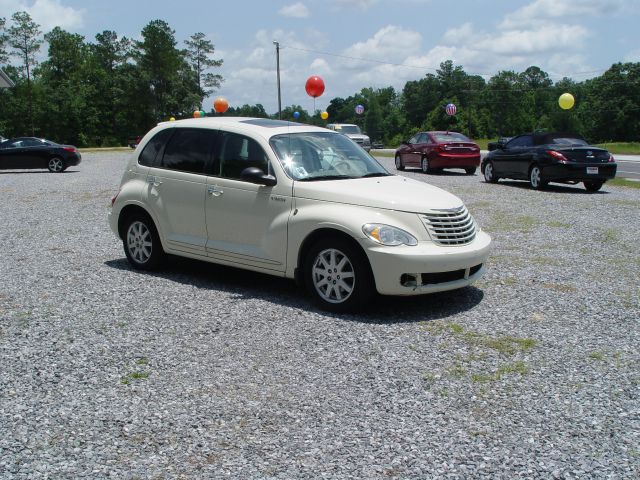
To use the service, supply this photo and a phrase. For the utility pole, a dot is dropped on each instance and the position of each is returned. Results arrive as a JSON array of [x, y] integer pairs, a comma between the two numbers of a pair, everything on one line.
[[278, 70]]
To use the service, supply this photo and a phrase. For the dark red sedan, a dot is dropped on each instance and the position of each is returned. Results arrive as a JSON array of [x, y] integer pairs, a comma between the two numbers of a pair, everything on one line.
[[433, 151]]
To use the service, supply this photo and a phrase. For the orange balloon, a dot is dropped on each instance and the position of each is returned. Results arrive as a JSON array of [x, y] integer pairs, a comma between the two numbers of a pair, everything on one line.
[[220, 105], [196, 114]]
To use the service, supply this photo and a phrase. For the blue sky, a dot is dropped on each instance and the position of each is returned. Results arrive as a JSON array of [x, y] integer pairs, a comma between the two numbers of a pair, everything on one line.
[[354, 44]]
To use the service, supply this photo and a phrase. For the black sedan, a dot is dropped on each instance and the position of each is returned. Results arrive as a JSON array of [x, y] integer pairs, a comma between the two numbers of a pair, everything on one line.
[[549, 157], [30, 152]]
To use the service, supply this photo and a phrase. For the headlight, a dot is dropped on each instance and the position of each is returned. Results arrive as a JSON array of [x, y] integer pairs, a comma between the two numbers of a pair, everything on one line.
[[388, 235]]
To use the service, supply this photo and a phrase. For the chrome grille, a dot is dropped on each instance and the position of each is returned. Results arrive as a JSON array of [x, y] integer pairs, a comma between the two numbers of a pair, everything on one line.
[[450, 227]]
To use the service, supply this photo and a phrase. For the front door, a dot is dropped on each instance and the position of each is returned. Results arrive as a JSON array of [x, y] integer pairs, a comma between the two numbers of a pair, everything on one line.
[[246, 223]]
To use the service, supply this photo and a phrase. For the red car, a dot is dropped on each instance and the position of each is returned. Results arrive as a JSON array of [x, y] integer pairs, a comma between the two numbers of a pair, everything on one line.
[[433, 151]]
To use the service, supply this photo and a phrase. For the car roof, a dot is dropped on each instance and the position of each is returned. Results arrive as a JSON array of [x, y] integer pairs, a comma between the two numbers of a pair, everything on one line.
[[263, 127]]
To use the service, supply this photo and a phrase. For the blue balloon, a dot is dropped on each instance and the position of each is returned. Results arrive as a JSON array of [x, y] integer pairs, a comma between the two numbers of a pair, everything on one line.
[[296, 114]]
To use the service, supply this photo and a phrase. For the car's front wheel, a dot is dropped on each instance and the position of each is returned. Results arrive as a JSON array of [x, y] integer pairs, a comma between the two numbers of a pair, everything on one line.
[[535, 178], [142, 243], [489, 173], [399, 164], [338, 275], [56, 165], [593, 186]]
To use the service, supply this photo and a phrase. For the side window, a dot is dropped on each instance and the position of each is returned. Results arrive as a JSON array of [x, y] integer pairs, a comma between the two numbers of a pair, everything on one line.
[[153, 147], [189, 150], [521, 141], [423, 138], [413, 139], [238, 152]]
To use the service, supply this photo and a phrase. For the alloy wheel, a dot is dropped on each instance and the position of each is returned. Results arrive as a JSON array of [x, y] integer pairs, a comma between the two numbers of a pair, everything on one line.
[[333, 276], [56, 165], [139, 242]]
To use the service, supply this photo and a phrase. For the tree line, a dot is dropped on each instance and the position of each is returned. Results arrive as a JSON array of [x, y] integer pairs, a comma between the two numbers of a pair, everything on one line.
[[101, 92]]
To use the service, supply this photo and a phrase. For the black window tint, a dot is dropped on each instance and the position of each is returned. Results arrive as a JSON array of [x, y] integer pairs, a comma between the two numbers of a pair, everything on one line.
[[189, 150], [238, 152], [153, 147], [522, 141]]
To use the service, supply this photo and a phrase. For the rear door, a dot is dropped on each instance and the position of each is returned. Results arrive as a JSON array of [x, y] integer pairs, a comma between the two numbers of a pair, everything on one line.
[[12, 154], [176, 189]]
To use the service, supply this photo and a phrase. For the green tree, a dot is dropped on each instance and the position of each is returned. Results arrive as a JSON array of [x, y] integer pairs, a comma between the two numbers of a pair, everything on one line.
[[3, 40], [198, 51], [24, 38]]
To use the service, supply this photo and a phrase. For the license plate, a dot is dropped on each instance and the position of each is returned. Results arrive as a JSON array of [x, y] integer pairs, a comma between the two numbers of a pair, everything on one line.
[[592, 170]]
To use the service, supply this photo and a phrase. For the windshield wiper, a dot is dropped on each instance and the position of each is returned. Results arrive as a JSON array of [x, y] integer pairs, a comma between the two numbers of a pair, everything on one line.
[[377, 174], [324, 177]]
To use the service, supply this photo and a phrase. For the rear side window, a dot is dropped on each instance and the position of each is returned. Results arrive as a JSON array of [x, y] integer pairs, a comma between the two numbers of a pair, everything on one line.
[[189, 150], [153, 147], [521, 141]]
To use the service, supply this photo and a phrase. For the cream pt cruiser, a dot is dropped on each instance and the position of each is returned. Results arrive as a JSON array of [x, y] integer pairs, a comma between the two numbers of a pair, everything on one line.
[[295, 201]]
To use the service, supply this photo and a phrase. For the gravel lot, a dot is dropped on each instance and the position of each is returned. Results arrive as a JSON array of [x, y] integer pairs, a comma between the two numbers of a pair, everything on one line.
[[209, 372]]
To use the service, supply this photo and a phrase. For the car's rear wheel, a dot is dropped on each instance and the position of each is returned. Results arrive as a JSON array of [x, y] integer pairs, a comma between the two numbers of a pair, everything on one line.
[[424, 165], [338, 275], [593, 185], [535, 178], [399, 164], [142, 243], [489, 173], [56, 165], [470, 171]]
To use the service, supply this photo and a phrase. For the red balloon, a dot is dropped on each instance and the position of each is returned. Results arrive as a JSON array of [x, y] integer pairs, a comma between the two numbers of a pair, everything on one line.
[[314, 86]]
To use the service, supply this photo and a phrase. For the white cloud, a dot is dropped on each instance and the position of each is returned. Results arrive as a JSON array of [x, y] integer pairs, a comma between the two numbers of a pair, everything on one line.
[[47, 13], [296, 10], [389, 44], [457, 36], [541, 39], [562, 11]]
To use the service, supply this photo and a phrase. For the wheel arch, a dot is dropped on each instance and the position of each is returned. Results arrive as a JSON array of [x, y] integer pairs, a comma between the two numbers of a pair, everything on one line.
[[321, 233], [129, 210]]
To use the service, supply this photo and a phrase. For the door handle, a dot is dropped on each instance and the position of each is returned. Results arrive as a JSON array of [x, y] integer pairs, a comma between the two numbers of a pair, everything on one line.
[[215, 191]]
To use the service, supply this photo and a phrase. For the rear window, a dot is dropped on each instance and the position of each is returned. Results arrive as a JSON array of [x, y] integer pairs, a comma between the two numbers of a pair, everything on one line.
[[442, 137], [567, 141]]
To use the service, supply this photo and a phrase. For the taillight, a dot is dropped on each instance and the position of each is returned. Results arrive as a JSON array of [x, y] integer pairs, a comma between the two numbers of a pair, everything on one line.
[[113, 200], [69, 149], [558, 156], [611, 159]]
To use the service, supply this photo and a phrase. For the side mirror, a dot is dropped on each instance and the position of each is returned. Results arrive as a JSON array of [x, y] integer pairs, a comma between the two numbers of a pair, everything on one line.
[[257, 176]]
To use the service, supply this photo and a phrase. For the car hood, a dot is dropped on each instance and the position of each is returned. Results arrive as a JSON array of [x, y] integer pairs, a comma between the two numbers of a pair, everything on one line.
[[394, 192]]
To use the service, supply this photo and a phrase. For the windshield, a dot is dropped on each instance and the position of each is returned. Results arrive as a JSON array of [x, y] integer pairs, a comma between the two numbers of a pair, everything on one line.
[[348, 129], [315, 156]]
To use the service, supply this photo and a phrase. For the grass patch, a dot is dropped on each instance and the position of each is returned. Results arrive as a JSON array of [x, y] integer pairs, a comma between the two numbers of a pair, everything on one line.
[[559, 224], [623, 182], [105, 149], [516, 368], [559, 287], [621, 148], [610, 235], [508, 223], [597, 356]]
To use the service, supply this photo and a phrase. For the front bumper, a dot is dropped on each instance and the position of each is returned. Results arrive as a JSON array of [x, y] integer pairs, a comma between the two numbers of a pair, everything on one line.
[[426, 267]]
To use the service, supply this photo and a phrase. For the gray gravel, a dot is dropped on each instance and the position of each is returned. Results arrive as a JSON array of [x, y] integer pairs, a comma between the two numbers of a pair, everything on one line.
[[209, 372]]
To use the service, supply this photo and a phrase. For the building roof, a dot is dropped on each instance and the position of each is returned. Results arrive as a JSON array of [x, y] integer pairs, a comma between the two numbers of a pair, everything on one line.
[[5, 81]]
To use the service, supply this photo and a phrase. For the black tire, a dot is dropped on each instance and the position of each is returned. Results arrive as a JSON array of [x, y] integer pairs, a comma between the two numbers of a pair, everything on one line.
[[593, 185], [424, 165], [399, 164], [141, 243], [470, 171], [344, 270], [489, 173], [535, 178], [56, 165]]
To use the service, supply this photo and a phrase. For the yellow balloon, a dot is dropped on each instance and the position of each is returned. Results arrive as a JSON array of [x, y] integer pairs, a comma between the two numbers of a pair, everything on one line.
[[172, 119], [324, 115], [566, 101]]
